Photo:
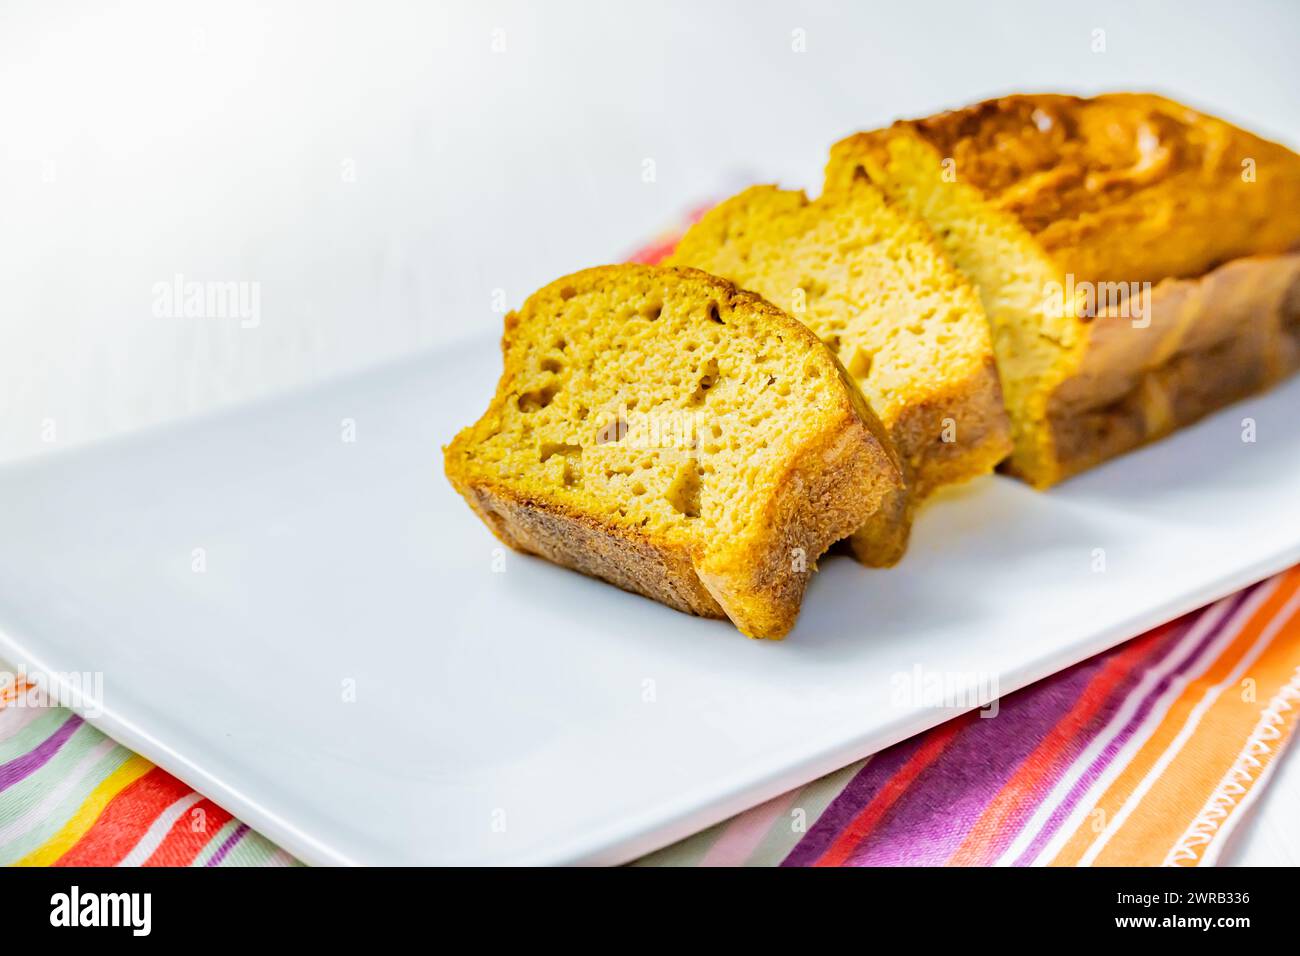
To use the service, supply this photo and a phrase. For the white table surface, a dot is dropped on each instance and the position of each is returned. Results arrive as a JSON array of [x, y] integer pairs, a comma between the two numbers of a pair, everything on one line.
[[387, 175]]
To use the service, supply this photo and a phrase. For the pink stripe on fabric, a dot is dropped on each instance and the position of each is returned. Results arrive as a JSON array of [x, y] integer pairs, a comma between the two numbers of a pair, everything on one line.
[[14, 720], [744, 833], [1223, 615]]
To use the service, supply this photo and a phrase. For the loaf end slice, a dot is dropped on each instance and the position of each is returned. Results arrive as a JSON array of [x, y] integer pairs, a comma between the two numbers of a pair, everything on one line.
[[1109, 239], [661, 430]]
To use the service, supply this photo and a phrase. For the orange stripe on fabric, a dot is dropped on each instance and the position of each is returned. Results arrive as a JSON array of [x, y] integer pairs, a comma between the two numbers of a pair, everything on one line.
[[742, 835], [1249, 771], [13, 692], [936, 742], [1175, 800], [125, 820], [183, 843], [84, 818], [979, 843], [1247, 632]]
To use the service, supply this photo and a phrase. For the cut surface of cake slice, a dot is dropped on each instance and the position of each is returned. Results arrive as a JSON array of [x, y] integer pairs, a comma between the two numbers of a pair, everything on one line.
[[677, 437], [874, 285], [1136, 258]]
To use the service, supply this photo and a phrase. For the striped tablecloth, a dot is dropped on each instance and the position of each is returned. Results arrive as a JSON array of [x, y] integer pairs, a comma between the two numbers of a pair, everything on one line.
[[69, 796]]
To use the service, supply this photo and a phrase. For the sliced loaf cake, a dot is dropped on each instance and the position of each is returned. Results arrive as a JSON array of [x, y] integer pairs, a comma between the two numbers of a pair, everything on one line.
[[657, 428]]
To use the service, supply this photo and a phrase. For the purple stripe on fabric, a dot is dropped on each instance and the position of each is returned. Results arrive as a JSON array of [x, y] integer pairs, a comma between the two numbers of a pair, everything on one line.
[[21, 767], [977, 764], [856, 795], [1103, 760], [228, 845], [1040, 704], [1082, 738], [962, 780], [932, 817]]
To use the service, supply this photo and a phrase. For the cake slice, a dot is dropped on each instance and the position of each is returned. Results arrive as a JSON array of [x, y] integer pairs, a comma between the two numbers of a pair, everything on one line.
[[1135, 258], [874, 285], [657, 428]]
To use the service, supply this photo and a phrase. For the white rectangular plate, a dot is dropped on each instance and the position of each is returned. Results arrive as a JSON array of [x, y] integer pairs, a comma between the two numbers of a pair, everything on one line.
[[362, 675]]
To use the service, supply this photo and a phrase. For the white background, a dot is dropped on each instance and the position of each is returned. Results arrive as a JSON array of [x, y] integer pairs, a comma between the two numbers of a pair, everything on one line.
[[380, 171]]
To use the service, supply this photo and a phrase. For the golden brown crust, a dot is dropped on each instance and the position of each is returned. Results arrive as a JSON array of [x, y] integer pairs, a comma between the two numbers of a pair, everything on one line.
[[947, 439], [820, 499], [1211, 341], [1180, 190], [1126, 189], [757, 579], [957, 435], [640, 563]]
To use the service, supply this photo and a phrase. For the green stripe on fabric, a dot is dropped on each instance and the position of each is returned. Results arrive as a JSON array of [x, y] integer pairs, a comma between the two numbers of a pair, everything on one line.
[[29, 792], [253, 850], [688, 852], [813, 801], [30, 737], [55, 820], [780, 839], [212, 846]]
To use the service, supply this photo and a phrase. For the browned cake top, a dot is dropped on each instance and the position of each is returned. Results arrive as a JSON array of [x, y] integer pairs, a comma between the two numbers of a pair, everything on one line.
[[1064, 165], [1054, 157]]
